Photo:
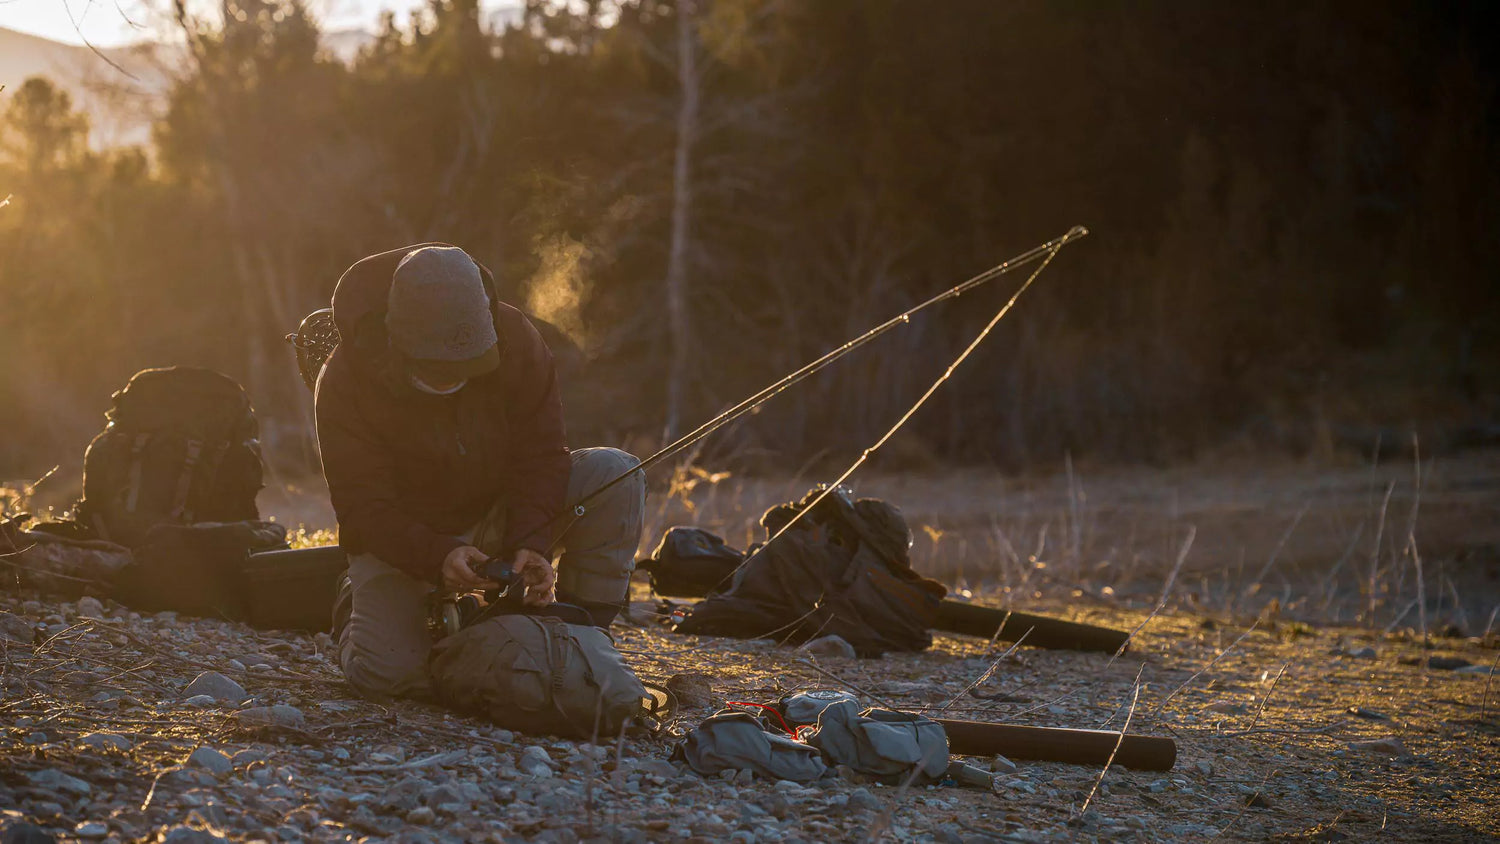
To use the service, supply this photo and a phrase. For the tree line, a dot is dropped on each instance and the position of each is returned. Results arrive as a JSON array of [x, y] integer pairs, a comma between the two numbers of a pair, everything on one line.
[[1292, 209]]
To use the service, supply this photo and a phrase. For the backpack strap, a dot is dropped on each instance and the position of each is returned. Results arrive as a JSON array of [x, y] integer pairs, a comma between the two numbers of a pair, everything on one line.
[[133, 485], [180, 510]]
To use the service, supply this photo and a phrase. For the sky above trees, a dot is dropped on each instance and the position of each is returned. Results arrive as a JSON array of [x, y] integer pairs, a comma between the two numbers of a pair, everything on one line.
[[111, 23]]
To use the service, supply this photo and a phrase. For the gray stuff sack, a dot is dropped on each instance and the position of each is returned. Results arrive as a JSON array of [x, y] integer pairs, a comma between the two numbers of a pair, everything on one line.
[[538, 675], [735, 741], [882, 743]]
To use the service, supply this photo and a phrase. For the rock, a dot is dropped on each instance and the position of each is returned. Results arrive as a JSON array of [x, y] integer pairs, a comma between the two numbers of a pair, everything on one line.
[[1001, 765], [1474, 669], [106, 741], [422, 816], [201, 701], [664, 769], [861, 800], [51, 778], [1258, 800], [216, 686], [535, 762], [1447, 663], [1365, 652], [210, 760], [692, 690], [1389, 746], [188, 835], [969, 776], [279, 715], [390, 754], [24, 833], [89, 607], [91, 829], [14, 628], [830, 646]]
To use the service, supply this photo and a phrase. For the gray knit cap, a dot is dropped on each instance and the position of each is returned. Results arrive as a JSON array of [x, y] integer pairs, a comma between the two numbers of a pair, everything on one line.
[[438, 309]]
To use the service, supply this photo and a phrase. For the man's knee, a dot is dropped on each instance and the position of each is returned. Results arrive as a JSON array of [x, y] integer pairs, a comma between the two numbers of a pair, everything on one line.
[[595, 467]]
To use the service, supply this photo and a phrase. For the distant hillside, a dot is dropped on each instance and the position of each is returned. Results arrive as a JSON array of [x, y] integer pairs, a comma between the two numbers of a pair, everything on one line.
[[120, 105]]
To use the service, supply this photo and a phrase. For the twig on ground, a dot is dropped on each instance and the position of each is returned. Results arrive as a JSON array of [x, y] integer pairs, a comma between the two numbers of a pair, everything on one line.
[[1168, 699], [1265, 700], [1166, 590], [985, 675], [1308, 731], [435, 760], [846, 684], [1484, 703], [1135, 697], [1244, 804]]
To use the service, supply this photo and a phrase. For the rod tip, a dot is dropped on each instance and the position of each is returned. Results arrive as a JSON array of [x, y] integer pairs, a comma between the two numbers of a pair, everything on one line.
[[1077, 231]]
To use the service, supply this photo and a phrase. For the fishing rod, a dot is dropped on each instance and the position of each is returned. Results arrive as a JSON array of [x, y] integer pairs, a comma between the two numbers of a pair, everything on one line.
[[1043, 252]]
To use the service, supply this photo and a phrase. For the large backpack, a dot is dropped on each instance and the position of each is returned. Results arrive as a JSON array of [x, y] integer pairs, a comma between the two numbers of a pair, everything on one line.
[[538, 675], [180, 447]]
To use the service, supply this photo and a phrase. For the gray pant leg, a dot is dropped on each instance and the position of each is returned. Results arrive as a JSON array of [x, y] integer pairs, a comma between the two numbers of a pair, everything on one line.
[[599, 547], [384, 647]]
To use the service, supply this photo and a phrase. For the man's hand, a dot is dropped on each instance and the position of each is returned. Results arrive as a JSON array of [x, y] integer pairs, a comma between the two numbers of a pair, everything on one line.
[[537, 573], [458, 571]]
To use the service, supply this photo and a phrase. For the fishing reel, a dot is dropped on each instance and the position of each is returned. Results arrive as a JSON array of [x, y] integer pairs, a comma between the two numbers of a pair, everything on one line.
[[448, 613]]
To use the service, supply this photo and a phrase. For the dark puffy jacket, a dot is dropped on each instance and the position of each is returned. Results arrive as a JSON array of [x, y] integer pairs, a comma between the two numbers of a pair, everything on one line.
[[409, 471]]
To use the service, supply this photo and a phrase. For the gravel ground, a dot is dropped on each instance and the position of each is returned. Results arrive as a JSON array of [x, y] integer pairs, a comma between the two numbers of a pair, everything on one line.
[[118, 726]]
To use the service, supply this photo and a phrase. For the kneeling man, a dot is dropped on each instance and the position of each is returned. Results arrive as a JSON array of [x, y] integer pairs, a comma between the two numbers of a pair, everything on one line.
[[442, 438]]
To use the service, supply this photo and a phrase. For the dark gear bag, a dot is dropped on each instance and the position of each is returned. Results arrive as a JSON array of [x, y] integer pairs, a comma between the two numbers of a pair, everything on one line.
[[198, 569], [180, 447], [843, 570], [691, 563]]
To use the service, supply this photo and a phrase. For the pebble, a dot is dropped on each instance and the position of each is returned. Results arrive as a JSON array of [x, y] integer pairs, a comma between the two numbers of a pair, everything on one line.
[[58, 781], [1389, 746], [537, 753], [1001, 765], [1447, 663], [89, 607], [830, 646], [14, 628], [1365, 652], [201, 701], [279, 715], [422, 816], [210, 760], [692, 690], [216, 686], [91, 829], [861, 800], [189, 835], [106, 741], [26, 833]]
